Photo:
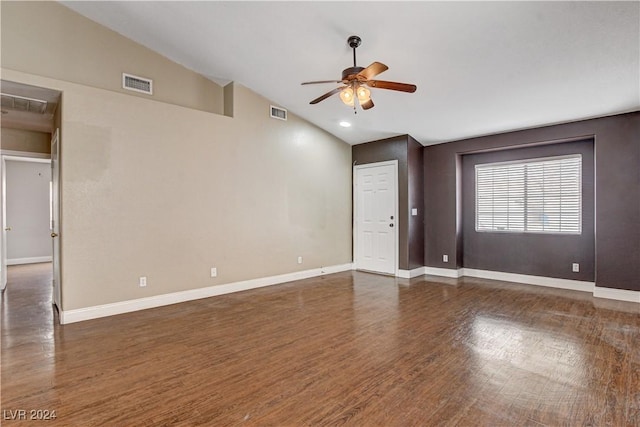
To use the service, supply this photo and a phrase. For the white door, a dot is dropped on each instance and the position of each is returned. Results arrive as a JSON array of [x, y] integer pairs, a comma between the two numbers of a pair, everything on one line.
[[55, 217], [375, 217], [3, 215]]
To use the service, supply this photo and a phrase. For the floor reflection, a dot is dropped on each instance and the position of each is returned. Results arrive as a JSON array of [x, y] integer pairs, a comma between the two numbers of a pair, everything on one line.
[[518, 359], [28, 329], [375, 316]]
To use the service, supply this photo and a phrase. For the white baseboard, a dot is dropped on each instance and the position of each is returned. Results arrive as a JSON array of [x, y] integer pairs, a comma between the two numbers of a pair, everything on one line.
[[32, 260], [410, 274], [552, 282], [444, 272], [95, 312], [617, 294]]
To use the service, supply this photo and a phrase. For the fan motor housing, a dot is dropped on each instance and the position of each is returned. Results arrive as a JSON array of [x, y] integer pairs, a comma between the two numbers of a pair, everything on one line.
[[351, 72]]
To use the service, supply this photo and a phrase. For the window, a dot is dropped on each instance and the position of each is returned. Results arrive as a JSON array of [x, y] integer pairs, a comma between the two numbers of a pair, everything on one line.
[[530, 196]]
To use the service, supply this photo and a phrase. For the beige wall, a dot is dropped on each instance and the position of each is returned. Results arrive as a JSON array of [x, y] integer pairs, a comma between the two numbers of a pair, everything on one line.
[[25, 140], [157, 190], [48, 39]]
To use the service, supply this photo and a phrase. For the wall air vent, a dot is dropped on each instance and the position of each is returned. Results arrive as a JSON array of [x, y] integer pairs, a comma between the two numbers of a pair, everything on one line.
[[278, 113], [137, 84]]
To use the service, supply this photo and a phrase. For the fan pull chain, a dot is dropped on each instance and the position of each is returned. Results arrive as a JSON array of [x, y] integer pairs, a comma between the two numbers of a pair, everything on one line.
[[354, 86]]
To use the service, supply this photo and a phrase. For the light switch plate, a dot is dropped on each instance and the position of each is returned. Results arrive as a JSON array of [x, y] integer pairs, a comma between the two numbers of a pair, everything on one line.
[[414, 212]]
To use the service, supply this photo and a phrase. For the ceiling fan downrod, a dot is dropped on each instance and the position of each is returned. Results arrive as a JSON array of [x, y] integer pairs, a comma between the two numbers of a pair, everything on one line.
[[354, 42]]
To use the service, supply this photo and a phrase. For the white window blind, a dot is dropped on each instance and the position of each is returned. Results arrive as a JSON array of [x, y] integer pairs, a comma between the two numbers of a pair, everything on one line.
[[535, 196]]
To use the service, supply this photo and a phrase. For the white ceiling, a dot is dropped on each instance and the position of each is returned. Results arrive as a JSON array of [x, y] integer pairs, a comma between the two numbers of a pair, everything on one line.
[[480, 67]]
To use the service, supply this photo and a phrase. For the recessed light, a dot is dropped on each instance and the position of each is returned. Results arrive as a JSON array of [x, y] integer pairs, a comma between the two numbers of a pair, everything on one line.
[[345, 124]]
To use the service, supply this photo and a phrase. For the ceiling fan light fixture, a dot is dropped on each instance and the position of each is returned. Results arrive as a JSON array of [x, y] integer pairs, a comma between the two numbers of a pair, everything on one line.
[[358, 80], [363, 94], [346, 95]]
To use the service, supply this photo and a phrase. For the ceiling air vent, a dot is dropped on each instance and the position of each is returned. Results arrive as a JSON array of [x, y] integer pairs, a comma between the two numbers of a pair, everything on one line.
[[22, 103], [137, 84], [278, 113]]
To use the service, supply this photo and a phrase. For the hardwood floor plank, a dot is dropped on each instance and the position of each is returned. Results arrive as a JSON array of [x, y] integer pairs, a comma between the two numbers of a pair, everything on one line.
[[350, 348]]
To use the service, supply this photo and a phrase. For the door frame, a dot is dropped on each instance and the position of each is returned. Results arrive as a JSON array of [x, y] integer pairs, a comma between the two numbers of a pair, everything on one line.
[[396, 232], [20, 156], [55, 221]]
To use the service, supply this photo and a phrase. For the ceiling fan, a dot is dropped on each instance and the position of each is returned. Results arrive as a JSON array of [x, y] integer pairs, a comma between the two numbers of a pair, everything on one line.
[[356, 79]]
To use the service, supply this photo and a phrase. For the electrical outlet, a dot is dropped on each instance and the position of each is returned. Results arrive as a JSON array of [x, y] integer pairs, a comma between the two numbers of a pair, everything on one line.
[[445, 258], [414, 212], [214, 272], [142, 282], [575, 267], [299, 260]]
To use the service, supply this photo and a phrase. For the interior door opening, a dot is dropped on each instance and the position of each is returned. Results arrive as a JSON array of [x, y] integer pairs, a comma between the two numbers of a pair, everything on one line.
[[30, 135]]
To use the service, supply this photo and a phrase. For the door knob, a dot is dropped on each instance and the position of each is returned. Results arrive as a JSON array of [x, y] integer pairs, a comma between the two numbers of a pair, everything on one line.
[[7, 229], [54, 234], [391, 225]]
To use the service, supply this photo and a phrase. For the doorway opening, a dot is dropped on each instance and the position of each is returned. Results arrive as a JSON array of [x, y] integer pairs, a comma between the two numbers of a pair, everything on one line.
[[31, 119]]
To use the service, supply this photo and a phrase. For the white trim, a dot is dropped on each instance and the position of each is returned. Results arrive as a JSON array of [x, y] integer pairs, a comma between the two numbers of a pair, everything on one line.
[[87, 313], [410, 274], [31, 260], [28, 154], [445, 272], [26, 159], [3, 223], [356, 167], [552, 282], [376, 164], [532, 160], [617, 294]]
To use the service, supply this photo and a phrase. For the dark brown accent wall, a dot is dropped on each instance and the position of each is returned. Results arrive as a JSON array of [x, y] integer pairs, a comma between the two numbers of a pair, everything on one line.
[[548, 255], [415, 173], [617, 192], [408, 152]]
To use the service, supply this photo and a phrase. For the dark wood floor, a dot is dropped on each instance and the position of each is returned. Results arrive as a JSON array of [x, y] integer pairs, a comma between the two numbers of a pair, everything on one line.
[[349, 348]]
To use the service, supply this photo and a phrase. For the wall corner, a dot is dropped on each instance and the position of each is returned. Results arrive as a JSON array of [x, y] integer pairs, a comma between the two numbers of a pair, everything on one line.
[[227, 95]]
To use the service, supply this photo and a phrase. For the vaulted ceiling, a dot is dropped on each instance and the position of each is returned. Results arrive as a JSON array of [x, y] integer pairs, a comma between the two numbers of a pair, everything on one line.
[[480, 67]]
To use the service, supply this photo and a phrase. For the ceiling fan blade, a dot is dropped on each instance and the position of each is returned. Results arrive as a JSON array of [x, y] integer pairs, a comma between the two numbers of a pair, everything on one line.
[[402, 87], [373, 70], [326, 95], [321, 81], [367, 105]]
